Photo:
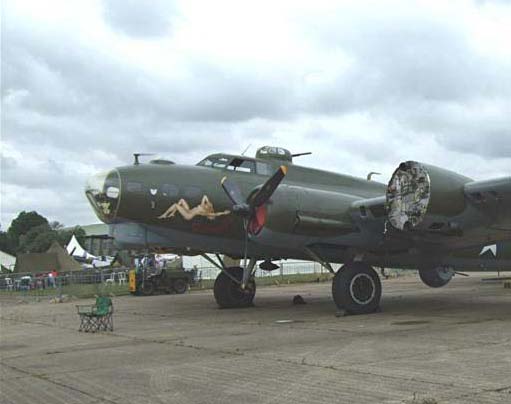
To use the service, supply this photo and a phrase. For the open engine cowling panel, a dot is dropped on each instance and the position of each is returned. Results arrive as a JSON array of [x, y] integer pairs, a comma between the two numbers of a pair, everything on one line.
[[408, 196]]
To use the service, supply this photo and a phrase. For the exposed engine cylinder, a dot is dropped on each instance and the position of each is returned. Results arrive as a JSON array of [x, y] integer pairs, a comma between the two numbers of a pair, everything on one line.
[[420, 195]]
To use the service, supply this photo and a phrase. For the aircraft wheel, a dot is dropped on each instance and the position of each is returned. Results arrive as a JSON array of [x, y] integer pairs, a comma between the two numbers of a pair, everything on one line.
[[180, 286], [436, 277], [228, 294], [356, 288]]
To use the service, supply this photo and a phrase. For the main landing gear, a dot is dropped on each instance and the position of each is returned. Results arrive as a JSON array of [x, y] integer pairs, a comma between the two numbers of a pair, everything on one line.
[[228, 291], [356, 288], [234, 287]]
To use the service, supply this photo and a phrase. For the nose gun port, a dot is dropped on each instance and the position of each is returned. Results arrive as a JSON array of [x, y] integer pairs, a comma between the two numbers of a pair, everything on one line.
[[103, 191]]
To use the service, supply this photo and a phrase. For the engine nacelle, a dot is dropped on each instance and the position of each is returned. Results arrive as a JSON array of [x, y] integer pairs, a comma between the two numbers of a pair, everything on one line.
[[294, 210], [422, 197]]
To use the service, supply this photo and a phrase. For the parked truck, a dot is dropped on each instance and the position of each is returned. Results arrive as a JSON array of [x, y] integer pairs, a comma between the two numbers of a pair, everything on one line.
[[148, 278]]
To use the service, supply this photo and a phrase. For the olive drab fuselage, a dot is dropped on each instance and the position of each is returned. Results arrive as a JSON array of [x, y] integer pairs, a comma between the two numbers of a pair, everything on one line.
[[183, 208]]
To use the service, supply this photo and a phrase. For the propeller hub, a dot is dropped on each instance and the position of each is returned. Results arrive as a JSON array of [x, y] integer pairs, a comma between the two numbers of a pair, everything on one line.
[[242, 209], [257, 221]]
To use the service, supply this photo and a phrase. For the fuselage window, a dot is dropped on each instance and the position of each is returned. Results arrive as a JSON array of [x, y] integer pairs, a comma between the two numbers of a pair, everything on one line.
[[192, 192], [170, 190], [134, 187]]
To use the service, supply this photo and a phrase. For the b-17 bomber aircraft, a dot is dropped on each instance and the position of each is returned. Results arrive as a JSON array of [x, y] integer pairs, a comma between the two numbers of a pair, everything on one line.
[[267, 208]]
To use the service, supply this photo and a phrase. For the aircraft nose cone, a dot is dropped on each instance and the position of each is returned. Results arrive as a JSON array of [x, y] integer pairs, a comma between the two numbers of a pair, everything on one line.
[[103, 190]]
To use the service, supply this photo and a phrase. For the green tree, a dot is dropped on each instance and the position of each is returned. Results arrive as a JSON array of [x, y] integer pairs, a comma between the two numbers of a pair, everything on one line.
[[23, 224], [31, 232], [6, 244], [56, 225], [37, 239]]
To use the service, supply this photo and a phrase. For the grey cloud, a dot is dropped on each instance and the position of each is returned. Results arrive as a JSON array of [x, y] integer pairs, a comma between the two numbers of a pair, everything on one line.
[[409, 57], [495, 144], [139, 18], [55, 77], [40, 175], [480, 128]]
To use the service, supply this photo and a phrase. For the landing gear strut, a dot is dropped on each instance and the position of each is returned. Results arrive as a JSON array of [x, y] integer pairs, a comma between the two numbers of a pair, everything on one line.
[[228, 291], [356, 289]]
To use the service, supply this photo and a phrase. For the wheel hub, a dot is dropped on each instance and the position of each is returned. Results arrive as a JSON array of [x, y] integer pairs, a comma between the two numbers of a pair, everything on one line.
[[362, 289]]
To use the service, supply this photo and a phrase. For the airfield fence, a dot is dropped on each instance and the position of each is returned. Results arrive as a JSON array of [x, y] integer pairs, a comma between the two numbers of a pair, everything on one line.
[[81, 284], [285, 269], [77, 284]]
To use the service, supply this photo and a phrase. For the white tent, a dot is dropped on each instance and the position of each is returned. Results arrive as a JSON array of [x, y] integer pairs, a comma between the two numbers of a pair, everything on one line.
[[76, 250], [7, 261], [102, 262]]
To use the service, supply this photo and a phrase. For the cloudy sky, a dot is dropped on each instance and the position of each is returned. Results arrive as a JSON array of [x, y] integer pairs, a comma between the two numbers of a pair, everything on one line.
[[364, 85]]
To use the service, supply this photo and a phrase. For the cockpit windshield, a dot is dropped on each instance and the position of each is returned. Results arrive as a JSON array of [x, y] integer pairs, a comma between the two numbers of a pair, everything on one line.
[[241, 165], [238, 164], [215, 162]]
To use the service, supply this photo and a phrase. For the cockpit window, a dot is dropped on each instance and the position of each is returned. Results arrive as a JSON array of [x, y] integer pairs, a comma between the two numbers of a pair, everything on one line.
[[214, 162], [263, 168], [229, 163], [241, 165]]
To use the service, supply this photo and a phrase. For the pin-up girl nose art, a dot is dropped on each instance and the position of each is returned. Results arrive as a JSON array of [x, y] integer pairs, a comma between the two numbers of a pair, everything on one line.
[[205, 208]]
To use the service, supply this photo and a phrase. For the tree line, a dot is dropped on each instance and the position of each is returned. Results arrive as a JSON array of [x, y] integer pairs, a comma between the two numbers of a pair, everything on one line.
[[31, 232]]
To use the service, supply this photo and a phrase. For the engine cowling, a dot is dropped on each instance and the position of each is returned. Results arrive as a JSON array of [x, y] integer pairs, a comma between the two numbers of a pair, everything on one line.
[[307, 211], [421, 196]]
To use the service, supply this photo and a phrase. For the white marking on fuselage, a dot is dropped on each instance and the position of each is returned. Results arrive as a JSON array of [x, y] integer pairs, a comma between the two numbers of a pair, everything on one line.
[[491, 248]]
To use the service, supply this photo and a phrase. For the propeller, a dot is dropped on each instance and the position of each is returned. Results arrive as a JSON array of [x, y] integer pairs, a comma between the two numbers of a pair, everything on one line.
[[248, 209], [253, 209]]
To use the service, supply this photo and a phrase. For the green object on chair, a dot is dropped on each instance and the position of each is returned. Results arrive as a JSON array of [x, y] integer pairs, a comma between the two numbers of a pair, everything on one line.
[[97, 317]]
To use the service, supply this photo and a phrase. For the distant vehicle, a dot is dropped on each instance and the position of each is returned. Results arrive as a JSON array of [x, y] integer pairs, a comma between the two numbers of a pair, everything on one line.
[[25, 283], [147, 279], [6, 284], [267, 208]]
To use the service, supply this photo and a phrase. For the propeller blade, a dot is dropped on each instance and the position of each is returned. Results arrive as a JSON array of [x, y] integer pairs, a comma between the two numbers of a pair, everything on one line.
[[233, 191], [264, 194]]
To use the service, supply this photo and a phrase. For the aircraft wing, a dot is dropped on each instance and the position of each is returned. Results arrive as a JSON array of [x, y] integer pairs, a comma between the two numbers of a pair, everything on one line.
[[487, 205], [492, 197]]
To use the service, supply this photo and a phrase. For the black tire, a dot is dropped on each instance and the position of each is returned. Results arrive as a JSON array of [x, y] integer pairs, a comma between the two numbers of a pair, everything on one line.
[[180, 286], [228, 294], [148, 288], [356, 288], [436, 277]]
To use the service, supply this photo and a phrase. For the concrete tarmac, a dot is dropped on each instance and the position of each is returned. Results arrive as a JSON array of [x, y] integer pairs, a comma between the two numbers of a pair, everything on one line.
[[451, 345]]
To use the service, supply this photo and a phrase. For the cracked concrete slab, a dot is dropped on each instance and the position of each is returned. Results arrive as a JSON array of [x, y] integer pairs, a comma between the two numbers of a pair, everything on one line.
[[452, 345]]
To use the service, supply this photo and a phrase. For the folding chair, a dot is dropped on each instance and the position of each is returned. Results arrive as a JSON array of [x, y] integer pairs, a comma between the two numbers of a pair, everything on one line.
[[97, 317]]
